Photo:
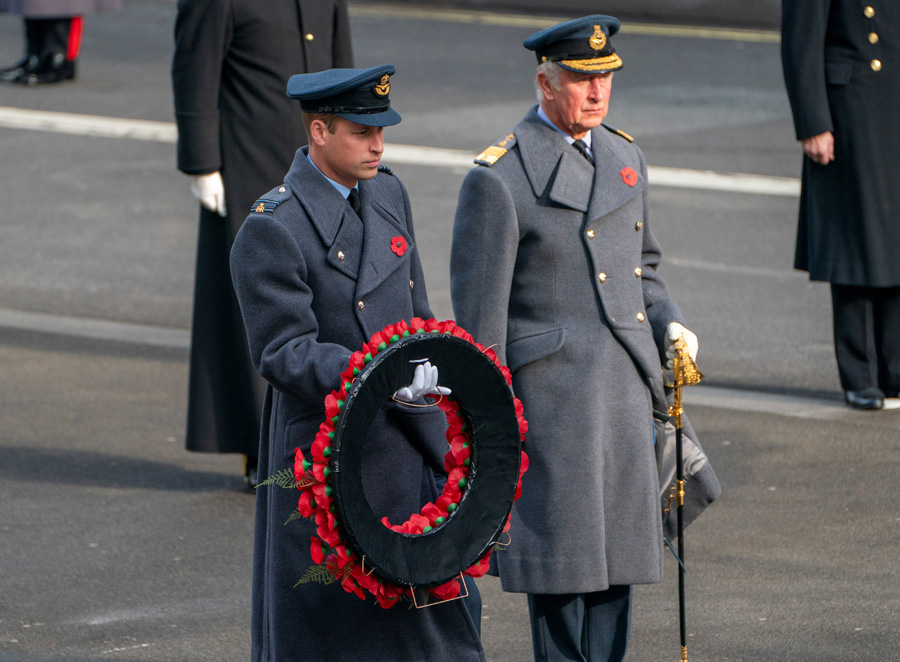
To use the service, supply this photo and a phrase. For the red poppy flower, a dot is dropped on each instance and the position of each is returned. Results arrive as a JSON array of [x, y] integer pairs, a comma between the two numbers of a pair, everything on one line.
[[398, 245], [629, 176], [446, 591]]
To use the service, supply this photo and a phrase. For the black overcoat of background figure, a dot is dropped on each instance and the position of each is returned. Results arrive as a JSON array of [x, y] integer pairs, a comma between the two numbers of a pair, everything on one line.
[[842, 71], [232, 61]]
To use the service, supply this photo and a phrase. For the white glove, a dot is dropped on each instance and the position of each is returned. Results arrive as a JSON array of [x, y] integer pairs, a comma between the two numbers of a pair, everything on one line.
[[425, 380], [210, 191], [675, 331]]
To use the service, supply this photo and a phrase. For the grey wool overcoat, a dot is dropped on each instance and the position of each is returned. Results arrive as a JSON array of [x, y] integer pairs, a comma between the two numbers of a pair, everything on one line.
[[314, 283], [841, 61], [554, 262], [232, 60]]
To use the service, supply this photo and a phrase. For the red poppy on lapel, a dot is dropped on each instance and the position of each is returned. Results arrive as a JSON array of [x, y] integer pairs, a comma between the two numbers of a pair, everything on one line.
[[629, 176], [398, 245]]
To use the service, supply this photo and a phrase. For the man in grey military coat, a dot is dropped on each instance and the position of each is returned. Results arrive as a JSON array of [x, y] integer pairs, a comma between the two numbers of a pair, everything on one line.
[[554, 262], [317, 270]]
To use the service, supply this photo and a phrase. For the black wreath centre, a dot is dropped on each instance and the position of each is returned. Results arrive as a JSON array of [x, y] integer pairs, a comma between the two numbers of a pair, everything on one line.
[[436, 557]]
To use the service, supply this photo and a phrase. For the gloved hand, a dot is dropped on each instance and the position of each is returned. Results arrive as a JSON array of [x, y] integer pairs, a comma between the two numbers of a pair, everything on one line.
[[425, 380], [210, 191], [675, 331]]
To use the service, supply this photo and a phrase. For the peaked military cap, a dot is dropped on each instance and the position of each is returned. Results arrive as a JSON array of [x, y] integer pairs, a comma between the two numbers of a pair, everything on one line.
[[582, 44], [358, 95]]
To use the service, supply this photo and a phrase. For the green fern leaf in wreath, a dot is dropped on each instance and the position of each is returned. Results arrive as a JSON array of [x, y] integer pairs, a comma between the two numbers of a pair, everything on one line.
[[318, 574], [294, 517], [284, 478]]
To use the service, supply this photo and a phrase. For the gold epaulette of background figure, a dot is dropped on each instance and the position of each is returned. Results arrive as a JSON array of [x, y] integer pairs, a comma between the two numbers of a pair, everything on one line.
[[493, 153], [621, 134]]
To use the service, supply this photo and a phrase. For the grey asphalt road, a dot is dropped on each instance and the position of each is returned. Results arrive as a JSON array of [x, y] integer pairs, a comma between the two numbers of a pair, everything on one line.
[[116, 544]]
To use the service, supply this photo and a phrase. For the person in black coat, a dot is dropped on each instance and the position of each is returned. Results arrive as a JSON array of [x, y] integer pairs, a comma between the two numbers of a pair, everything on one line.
[[324, 261], [237, 133], [53, 30], [841, 61]]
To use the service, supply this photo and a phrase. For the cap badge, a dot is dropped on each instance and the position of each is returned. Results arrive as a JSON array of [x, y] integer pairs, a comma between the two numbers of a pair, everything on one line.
[[598, 39], [384, 86]]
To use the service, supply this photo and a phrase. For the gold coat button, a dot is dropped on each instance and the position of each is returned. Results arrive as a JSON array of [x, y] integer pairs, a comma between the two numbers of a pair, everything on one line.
[[411, 284], [340, 256], [869, 12], [640, 317], [601, 277], [281, 189], [309, 36], [590, 234], [638, 272], [638, 225], [876, 65], [873, 38], [360, 305]]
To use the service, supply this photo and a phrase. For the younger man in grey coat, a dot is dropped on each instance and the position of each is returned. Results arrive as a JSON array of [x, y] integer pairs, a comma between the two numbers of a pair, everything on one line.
[[317, 270], [553, 260]]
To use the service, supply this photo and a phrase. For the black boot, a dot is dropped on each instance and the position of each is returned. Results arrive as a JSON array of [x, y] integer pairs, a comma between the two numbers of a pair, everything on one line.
[[52, 46]]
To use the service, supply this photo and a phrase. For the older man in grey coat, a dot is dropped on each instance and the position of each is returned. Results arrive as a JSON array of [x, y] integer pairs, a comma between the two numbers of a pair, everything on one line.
[[554, 262]]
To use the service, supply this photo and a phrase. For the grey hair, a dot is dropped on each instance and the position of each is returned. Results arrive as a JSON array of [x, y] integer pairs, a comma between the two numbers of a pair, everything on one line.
[[552, 71]]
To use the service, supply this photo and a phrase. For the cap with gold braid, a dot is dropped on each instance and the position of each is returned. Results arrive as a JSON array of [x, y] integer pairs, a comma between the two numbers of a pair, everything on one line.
[[580, 45]]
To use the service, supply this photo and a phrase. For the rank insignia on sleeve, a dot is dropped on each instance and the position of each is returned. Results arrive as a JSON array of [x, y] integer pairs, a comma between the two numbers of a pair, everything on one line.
[[264, 206], [493, 153]]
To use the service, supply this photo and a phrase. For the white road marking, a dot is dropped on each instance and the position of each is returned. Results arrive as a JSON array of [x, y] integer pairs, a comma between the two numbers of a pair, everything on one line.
[[539, 22], [165, 132]]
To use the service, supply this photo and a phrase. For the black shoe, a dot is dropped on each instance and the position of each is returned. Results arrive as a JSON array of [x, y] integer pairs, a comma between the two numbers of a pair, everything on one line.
[[11, 73], [251, 471], [18, 65], [867, 399], [48, 67]]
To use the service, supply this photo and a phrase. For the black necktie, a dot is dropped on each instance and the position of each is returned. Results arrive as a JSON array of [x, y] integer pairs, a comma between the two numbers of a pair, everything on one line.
[[582, 147], [353, 199]]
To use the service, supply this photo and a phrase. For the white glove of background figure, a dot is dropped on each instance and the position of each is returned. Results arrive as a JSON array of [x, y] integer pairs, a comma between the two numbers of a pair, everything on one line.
[[675, 331], [425, 380], [210, 191]]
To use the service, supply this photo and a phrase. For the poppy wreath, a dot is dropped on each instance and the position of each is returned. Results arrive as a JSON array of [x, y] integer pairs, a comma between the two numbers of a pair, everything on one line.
[[484, 470]]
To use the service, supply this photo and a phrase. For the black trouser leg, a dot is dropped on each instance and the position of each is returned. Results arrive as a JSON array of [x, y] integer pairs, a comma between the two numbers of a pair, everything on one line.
[[886, 317], [51, 45], [854, 341]]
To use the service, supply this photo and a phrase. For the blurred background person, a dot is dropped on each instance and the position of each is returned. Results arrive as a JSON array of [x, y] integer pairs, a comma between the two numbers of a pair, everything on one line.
[[841, 61], [53, 31], [237, 134]]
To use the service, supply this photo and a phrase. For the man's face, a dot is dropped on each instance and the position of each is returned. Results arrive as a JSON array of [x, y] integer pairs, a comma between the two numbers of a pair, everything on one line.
[[578, 102], [349, 154]]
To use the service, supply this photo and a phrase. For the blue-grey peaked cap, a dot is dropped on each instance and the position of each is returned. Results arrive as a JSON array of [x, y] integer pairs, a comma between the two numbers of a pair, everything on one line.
[[582, 44], [358, 95]]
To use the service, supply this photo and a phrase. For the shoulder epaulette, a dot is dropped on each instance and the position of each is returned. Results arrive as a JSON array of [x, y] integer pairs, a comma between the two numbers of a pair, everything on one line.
[[621, 134], [493, 153], [273, 198], [385, 169], [264, 206]]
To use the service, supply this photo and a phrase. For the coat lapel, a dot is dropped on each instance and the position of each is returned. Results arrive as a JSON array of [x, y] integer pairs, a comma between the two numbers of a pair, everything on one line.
[[610, 188], [553, 167], [328, 213], [381, 227]]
